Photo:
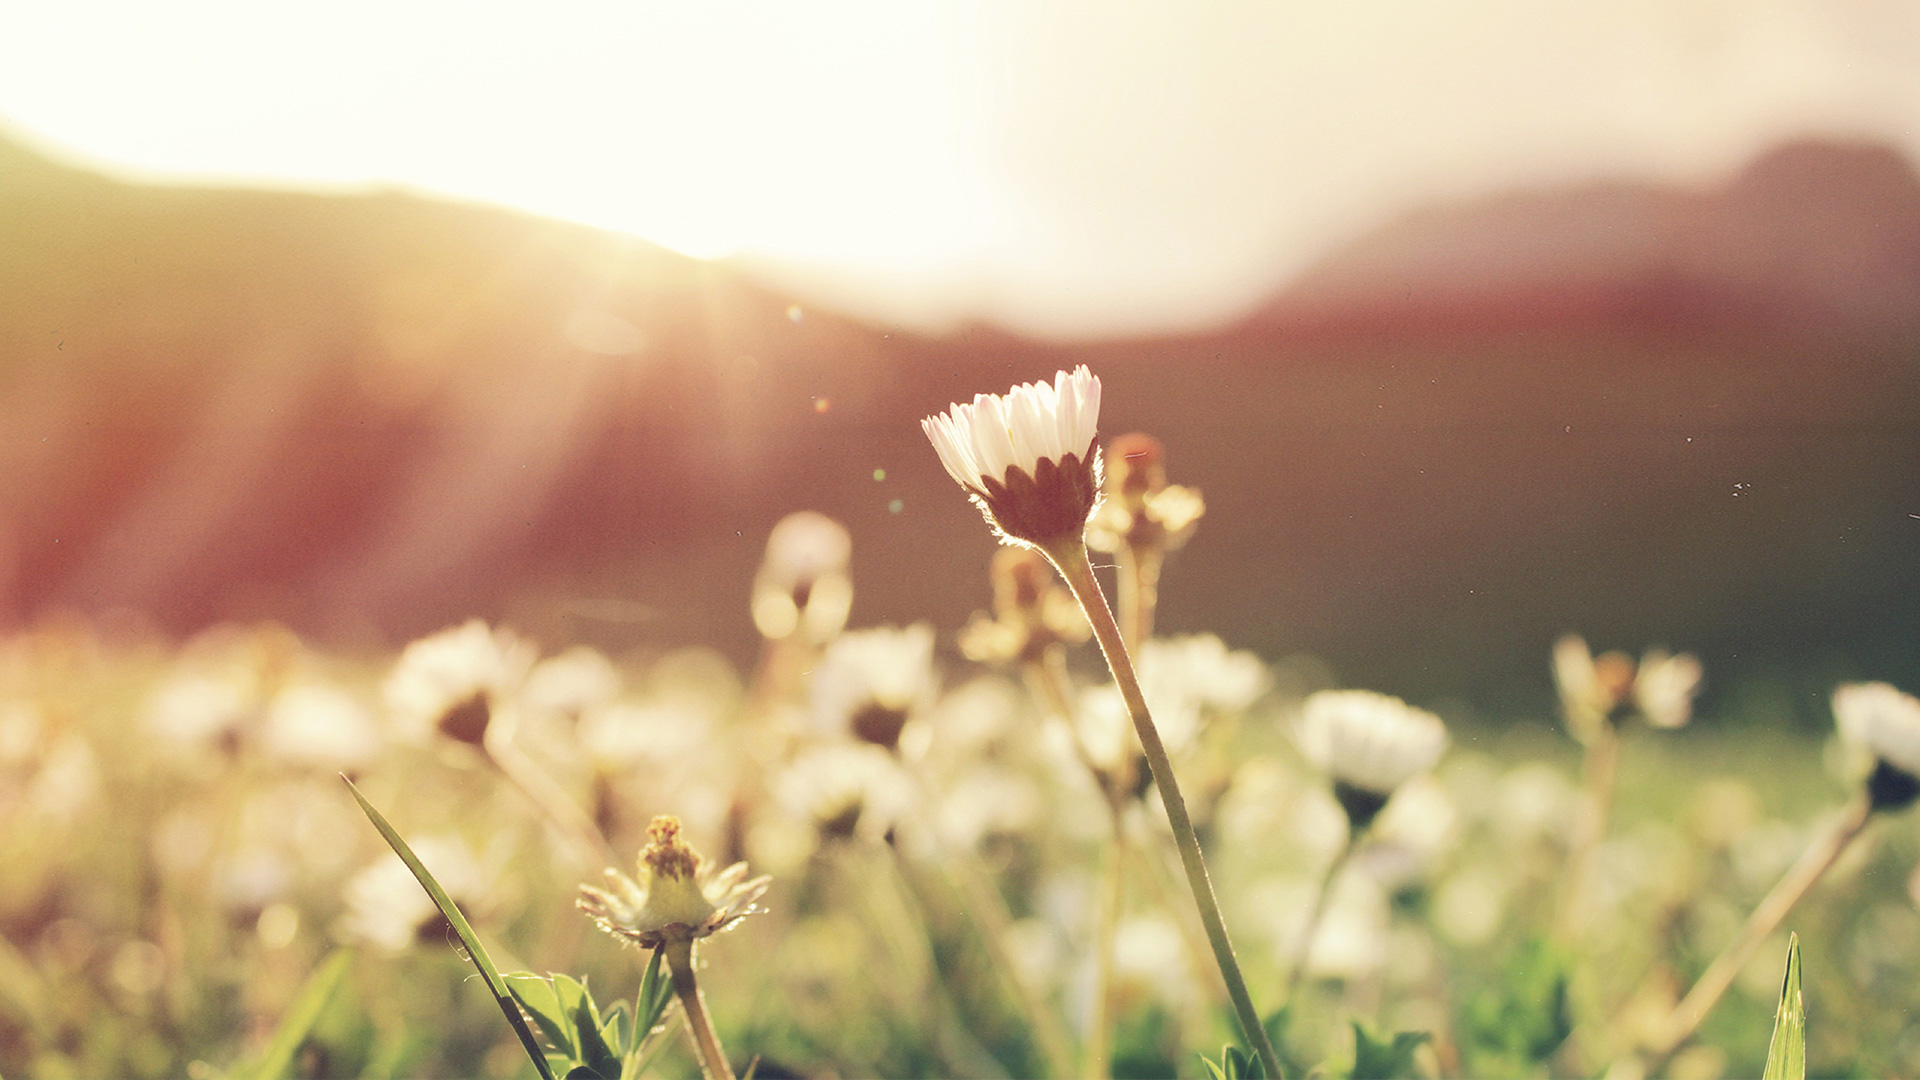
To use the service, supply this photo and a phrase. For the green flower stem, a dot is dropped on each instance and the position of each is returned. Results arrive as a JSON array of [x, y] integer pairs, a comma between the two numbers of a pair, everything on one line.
[[1070, 558], [1303, 948], [1106, 932], [1686, 1017], [713, 1060]]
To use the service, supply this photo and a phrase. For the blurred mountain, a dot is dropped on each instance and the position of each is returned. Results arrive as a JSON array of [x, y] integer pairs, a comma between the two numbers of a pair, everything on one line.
[[1647, 414]]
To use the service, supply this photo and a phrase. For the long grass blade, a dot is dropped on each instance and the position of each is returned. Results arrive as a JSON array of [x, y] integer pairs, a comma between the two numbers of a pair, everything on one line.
[[477, 953], [301, 1016], [1787, 1054]]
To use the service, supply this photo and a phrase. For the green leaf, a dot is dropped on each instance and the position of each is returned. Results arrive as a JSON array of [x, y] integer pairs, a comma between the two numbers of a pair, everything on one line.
[[594, 1051], [656, 993], [537, 997], [1276, 1028], [1520, 1021], [1374, 1059], [301, 1016], [1234, 1064], [1787, 1054], [476, 952]]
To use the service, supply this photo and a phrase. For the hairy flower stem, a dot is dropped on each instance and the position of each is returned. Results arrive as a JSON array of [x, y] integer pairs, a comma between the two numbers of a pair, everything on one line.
[[1599, 771], [713, 1060], [1070, 558], [1819, 858], [1303, 948]]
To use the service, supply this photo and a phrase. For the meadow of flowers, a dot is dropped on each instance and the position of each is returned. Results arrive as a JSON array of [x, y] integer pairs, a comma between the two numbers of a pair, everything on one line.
[[1049, 843]]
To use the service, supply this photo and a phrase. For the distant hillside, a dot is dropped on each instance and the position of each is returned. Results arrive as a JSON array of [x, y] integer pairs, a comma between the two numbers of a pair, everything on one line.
[[1648, 414]]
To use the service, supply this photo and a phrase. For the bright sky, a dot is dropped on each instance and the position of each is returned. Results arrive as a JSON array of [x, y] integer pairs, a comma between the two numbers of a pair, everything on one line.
[[1065, 168]]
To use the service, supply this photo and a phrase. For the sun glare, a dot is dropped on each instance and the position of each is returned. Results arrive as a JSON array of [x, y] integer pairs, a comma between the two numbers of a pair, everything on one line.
[[820, 130]]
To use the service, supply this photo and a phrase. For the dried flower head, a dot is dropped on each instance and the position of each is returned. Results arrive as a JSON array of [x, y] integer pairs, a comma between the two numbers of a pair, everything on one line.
[[802, 586], [1032, 611], [1027, 458], [1369, 744], [1142, 510], [1885, 723], [678, 897]]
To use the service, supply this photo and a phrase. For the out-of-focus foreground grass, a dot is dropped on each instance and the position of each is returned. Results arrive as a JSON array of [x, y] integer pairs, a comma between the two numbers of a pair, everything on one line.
[[177, 854]]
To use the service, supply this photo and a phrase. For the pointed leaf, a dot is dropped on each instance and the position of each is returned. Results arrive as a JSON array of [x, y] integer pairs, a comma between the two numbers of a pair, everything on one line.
[[1787, 1055], [476, 952], [656, 993], [1375, 1059], [536, 995], [301, 1016], [594, 1051]]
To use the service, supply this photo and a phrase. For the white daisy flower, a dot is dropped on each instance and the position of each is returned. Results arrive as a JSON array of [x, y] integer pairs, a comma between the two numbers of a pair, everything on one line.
[[1369, 744], [452, 681], [1027, 458], [870, 682], [1885, 723]]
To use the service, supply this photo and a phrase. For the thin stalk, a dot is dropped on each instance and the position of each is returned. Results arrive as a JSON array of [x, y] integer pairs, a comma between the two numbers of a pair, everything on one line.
[[1303, 948], [552, 801], [1071, 560], [1139, 592], [1819, 858], [713, 1060], [1599, 772], [1106, 932], [1048, 675], [989, 910]]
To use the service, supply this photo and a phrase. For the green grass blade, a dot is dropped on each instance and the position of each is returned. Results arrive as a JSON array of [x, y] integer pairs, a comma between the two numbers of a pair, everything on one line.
[[1787, 1055], [301, 1016], [477, 953]]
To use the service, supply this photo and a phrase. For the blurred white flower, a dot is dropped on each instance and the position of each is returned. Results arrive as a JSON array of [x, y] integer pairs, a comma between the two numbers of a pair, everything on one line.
[[1185, 677], [1416, 830], [868, 683], [1351, 940], [984, 800], [1885, 723], [1664, 686], [802, 585], [388, 908], [196, 707], [1369, 744], [846, 790], [1027, 458], [322, 726], [455, 680], [571, 682]]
